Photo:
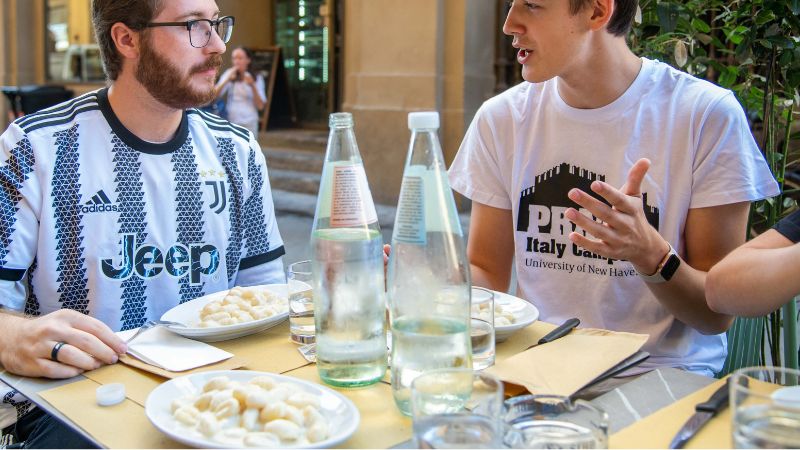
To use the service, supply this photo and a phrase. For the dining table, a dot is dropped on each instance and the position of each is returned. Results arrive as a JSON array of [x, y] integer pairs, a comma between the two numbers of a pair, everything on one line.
[[662, 398]]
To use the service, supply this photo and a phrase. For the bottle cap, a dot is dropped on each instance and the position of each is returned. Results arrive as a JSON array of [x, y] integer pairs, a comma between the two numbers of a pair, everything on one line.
[[340, 120], [427, 119], [110, 394]]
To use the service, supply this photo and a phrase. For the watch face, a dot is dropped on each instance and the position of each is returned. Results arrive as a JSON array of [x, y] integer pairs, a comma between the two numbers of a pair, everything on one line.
[[670, 266]]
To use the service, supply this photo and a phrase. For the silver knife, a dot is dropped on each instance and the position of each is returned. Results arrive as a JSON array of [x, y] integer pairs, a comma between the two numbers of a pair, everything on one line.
[[703, 413]]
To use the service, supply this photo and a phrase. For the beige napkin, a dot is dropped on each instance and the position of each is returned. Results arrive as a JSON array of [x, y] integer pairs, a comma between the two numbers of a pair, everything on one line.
[[564, 366], [123, 425], [658, 429], [162, 348]]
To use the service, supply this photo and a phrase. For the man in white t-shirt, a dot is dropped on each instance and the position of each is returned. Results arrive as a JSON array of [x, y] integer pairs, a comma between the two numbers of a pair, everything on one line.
[[125, 202], [590, 173]]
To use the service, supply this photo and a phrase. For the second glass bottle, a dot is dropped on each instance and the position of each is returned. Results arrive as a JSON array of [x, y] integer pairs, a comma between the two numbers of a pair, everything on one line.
[[428, 274]]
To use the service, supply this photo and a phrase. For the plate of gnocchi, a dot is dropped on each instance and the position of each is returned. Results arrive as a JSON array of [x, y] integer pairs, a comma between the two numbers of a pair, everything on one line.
[[511, 314], [240, 408], [230, 314]]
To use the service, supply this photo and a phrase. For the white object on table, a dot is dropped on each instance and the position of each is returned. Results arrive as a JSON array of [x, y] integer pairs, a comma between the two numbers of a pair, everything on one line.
[[110, 394], [342, 415], [189, 314], [523, 311], [161, 348]]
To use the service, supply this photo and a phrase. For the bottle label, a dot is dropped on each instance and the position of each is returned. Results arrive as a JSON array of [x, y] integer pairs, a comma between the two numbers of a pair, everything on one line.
[[410, 223], [352, 202]]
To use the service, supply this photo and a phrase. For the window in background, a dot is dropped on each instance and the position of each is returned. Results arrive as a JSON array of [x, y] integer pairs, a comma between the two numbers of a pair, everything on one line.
[[71, 54]]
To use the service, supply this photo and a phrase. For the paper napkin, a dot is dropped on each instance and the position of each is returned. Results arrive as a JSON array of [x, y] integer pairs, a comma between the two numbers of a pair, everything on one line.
[[565, 365], [162, 348]]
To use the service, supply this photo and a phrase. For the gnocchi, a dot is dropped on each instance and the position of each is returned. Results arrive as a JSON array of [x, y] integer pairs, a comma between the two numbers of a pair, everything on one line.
[[259, 413], [502, 317], [240, 305]]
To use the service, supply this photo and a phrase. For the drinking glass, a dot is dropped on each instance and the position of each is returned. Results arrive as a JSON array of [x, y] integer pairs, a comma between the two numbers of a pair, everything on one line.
[[457, 408], [301, 303], [765, 402], [553, 421], [482, 328]]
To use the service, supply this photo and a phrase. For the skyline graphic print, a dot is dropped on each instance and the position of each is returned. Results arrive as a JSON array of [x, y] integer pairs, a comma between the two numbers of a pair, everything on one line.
[[545, 229]]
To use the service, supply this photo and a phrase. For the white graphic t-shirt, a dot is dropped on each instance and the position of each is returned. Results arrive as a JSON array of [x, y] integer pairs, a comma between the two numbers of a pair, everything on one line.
[[96, 220], [526, 148]]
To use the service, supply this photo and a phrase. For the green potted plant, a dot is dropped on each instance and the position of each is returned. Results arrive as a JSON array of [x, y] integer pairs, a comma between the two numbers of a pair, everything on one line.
[[753, 48]]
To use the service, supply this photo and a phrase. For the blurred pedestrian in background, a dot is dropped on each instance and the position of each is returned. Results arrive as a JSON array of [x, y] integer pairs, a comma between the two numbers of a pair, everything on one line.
[[242, 91]]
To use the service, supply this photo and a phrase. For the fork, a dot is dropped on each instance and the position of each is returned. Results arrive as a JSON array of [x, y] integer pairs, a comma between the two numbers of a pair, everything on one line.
[[150, 324]]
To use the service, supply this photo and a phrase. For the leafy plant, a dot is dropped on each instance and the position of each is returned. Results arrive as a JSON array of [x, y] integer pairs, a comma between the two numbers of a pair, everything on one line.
[[753, 48]]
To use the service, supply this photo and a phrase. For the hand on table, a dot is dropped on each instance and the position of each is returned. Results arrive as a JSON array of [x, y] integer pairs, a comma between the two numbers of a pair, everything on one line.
[[26, 345], [624, 233]]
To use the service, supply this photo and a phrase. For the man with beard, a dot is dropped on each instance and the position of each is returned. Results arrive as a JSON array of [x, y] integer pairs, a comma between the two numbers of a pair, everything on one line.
[[125, 202]]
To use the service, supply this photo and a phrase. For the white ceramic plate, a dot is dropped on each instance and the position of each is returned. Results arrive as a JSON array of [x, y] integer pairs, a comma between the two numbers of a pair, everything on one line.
[[342, 414], [189, 313], [524, 314]]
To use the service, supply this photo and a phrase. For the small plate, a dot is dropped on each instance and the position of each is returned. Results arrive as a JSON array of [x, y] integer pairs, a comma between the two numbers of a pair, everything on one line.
[[189, 313], [524, 314], [343, 416]]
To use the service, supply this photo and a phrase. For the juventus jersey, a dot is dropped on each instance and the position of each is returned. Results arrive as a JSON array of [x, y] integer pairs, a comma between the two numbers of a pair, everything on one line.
[[97, 220]]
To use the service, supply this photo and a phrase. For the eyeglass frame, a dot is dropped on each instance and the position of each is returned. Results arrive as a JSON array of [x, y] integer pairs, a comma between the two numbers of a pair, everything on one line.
[[215, 23]]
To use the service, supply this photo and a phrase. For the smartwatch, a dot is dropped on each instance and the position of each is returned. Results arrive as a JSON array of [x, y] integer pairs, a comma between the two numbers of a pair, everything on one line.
[[666, 268]]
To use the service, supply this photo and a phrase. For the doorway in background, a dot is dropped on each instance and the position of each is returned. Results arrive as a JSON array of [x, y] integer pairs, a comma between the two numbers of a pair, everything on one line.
[[309, 34]]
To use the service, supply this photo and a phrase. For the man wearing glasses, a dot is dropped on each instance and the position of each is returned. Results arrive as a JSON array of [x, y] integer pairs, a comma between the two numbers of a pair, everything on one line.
[[125, 202]]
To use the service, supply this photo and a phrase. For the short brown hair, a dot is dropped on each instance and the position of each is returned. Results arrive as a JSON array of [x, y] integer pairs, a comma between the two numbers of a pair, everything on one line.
[[622, 19], [133, 13]]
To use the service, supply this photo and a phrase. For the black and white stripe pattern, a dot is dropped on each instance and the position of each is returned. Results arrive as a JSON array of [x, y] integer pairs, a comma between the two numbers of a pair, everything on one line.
[[60, 114], [219, 124]]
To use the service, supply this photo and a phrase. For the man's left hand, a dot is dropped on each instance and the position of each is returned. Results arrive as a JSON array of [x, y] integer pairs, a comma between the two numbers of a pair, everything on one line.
[[623, 233]]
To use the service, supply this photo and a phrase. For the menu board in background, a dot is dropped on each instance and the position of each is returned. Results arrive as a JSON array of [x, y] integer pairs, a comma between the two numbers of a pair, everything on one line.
[[279, 110]]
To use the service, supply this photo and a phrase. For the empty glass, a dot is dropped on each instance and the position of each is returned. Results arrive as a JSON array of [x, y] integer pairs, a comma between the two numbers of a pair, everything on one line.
[[765, 402], [301, 303], [482, 328], [457, 408], [552, 421]]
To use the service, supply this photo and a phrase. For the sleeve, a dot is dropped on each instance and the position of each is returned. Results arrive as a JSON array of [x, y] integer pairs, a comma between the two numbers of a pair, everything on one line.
[[261, 258], [261, 88], [475, 172], [19, 224], [728, 166], [789, 226]]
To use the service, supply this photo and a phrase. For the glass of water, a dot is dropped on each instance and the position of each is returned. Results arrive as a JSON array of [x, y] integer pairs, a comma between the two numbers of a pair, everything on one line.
[[552, 421], [765, 402], [301, 303], [457, 408], [482, 328]]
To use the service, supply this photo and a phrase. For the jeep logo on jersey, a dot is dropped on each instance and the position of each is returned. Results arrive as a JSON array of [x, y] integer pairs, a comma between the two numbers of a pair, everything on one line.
[[99, 203], [148, 261]]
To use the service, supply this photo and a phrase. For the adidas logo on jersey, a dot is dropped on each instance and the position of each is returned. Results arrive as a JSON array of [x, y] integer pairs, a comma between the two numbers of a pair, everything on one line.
[[99, 203]]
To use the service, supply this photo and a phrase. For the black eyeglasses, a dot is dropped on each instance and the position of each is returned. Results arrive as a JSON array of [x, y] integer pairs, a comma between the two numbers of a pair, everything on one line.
[[200, 29]]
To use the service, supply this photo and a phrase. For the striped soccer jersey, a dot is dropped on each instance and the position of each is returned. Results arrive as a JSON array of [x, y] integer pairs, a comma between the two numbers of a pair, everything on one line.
[[97, 220]]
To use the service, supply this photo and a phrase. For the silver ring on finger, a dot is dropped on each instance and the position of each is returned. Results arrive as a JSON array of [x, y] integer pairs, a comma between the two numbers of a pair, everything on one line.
[[56, 348]]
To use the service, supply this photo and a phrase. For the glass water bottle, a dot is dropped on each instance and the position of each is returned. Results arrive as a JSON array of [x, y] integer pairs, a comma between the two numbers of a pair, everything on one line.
[[347, 266], [428, 275]]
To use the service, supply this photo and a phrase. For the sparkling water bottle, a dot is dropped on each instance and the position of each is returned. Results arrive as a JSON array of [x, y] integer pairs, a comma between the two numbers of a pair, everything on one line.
[[347, 266], [428, 275]]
